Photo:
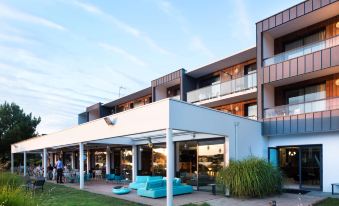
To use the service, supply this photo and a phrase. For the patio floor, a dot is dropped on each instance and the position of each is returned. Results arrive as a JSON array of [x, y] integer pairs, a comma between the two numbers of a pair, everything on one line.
[[285, 199], [101, 187]]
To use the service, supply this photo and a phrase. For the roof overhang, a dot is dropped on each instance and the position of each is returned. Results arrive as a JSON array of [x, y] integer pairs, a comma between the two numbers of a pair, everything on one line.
[[232, 60], [137, 125]]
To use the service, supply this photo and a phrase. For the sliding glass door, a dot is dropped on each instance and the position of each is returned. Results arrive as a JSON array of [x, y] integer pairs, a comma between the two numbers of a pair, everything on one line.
[[198, 162], [301, 166]]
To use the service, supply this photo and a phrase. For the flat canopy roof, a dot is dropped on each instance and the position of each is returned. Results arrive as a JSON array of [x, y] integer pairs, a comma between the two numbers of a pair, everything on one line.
[[232, 60], [135, 126]]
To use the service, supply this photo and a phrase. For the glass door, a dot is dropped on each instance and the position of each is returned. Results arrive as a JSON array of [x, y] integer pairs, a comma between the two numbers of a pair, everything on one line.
[[187, 168], [210, 161], [311, 167]]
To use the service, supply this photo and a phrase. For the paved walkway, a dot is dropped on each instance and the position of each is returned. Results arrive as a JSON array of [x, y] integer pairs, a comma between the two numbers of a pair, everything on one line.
[[286, 199], [101, 187]]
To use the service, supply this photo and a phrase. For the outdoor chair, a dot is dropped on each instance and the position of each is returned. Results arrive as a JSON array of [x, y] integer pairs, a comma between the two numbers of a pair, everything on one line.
[[36, 184]]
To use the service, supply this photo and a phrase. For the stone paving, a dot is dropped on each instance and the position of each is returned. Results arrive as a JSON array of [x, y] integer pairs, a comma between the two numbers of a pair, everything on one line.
[[286, 199]]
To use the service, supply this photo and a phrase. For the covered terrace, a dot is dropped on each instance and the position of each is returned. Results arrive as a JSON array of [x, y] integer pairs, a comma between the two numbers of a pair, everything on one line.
[[166, 121]]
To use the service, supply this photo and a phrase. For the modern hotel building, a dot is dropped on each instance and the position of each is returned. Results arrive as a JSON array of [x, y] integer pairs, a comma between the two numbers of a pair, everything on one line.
[[278, 101]]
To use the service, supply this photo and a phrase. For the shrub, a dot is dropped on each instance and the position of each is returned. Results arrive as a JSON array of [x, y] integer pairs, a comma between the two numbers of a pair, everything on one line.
[[11, 192], [252, 177]]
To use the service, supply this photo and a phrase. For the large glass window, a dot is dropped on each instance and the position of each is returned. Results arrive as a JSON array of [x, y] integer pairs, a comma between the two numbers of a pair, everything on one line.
[[152, 160], [301, 166], [307, 99], [126, 163], [198, 162], [315, 37]]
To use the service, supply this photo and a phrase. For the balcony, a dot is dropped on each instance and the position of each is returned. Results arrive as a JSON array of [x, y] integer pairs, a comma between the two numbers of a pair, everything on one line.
[[221, 89], [301, 51], [301, 108], [315, 116]]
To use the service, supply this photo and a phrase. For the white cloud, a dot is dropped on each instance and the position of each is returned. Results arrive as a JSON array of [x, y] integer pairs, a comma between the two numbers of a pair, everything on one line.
[[123, 53], [10, 13], [122, 25], [243, 19], [198, 45], [195, 42]]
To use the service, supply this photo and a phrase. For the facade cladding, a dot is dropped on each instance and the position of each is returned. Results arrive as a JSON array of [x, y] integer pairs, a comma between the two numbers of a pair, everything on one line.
[[278, 101], [289, 82]]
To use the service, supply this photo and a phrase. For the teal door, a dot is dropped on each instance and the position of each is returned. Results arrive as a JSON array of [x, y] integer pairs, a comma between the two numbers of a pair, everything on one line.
[[273, 156]]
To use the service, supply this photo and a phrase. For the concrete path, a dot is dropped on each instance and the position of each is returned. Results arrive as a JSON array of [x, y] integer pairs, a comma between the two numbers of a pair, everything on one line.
[[285, 199]]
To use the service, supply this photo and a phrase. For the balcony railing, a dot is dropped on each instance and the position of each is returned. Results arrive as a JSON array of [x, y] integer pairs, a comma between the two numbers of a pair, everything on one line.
[[221, 89], [301, 108], [301, 51]]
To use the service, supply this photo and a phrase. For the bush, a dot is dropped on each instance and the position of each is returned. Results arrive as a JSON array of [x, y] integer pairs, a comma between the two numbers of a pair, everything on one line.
[[252, 177], [11, 192]]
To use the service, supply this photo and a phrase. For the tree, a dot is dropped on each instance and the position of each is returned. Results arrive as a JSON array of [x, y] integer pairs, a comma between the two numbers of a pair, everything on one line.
[[15, 126]]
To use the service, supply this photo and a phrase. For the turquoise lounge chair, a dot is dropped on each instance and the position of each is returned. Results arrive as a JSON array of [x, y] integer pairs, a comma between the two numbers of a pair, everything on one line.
[[141, 181], [157, 188]]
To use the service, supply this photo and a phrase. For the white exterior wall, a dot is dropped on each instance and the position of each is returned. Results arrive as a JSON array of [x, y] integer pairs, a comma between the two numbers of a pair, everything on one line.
[[201, 119], [330, 149]]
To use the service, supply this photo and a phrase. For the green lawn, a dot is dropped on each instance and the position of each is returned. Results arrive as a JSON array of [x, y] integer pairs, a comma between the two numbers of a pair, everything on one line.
[[329, 202], [56, 195]]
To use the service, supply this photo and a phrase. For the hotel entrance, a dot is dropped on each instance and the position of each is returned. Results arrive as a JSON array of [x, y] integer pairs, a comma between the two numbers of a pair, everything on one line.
[[198, 162], [301, 166]]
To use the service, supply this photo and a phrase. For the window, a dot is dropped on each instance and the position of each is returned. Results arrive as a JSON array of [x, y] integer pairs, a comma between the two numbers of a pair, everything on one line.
[[309, 39], [251, 111], [250, 68], [209, 81], [306, 99]]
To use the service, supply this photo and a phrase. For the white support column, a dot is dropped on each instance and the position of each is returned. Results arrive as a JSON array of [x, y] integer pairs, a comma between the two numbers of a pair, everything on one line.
[[170, 166], [108, 160], [81, 165], [134, 163], [73, 160], [12, 163], [25, 163], [45, 162], [88, 163]]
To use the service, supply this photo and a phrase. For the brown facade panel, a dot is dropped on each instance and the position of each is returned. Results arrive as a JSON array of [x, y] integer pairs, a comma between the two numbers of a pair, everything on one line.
[[317, 61], [279, 71], [301, 65], [266, 74], [334, 56], [272, 22], [293, 12], [273, 73], [308, 6], [293, 67], [294, 124], [326, 120], [309, 122], [326, 58], [325, 2], [280, 125], [300, 10], [265, 25], [335, 119], [317, 123], [301, 123], [316, 4], [286, 16], [287, 125], [309, 63], [286, 69], [273, 126], [278, 19]]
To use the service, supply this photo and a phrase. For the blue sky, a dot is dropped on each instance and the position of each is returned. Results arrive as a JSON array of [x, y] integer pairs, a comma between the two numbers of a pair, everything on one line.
[[59, 56]]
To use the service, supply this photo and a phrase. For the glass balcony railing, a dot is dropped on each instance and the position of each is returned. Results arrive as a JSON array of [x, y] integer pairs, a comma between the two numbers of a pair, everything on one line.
[[301, 108], [217, 90], [301, 51]]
